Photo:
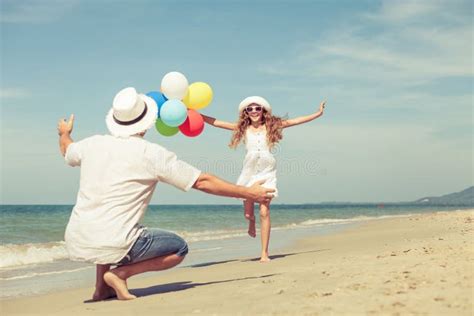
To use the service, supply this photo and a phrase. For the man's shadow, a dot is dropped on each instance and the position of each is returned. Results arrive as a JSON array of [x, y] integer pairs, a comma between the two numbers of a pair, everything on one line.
[[178, 286], [184, 285]]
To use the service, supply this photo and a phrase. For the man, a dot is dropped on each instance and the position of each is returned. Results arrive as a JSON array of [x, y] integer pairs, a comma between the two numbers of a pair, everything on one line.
[[119, 173]]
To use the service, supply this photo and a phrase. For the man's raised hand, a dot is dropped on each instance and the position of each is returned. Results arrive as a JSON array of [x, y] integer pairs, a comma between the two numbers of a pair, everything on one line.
[[66, 126]]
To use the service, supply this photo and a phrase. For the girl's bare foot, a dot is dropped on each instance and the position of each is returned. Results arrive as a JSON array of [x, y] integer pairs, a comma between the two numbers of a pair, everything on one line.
[[103, 293], [252, 232], [265, 258], [119, 285]]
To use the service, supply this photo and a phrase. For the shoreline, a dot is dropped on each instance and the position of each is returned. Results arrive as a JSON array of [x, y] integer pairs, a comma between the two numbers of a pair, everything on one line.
[[60, 275], [82, 275], [414, 264]]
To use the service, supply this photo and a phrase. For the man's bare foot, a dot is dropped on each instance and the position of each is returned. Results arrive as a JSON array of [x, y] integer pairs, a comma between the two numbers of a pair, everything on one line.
[[265, 259], [119, 286], [252, 232], [104, 293]]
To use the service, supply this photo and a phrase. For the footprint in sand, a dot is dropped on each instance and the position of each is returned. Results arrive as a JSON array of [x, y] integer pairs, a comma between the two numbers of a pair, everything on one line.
[[355, 286], [384, 255], [316, 294]]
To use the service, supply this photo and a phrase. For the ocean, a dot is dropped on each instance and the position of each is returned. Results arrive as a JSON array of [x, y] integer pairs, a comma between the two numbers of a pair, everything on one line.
[[34, 260]]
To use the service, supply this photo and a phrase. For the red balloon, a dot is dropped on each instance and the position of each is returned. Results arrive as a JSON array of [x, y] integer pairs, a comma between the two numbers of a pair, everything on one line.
[[193, 125]]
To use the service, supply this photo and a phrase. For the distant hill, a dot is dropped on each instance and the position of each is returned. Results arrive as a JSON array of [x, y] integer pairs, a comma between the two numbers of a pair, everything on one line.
[[465, 197]]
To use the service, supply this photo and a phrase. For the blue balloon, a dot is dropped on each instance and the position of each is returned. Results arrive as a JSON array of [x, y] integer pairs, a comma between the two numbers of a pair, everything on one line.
[[159, 98], [173, 112]]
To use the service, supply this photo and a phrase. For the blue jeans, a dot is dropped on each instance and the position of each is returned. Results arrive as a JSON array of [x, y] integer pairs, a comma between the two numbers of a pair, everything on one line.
[[154, 243]]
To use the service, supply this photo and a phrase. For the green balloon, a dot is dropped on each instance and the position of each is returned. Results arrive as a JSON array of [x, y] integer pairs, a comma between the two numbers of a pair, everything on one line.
[[164, 129]]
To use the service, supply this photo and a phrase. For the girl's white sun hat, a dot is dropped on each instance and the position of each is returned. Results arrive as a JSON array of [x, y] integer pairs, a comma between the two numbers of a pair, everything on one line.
[[131, 113], [255, 100]]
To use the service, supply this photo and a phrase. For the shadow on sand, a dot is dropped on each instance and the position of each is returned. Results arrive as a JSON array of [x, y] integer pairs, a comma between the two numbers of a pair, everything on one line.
[[184, 285], [274, 257], [177, 286], [283, 255], [207, 264]]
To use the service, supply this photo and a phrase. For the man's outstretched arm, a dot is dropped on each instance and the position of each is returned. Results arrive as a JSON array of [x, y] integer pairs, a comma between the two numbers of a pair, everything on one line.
[[211, 184], [64, 131]]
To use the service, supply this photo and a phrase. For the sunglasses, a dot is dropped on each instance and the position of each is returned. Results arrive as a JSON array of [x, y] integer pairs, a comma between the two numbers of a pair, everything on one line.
[[250, 109]]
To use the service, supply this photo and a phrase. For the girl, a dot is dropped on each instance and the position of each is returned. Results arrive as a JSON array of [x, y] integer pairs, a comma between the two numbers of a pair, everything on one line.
[[260, 131]]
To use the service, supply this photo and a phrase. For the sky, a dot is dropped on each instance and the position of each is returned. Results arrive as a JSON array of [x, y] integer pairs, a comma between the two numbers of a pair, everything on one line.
[[397, 77]]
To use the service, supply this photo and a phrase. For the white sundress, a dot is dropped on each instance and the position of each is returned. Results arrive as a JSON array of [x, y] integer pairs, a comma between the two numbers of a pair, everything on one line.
[[259, 163]]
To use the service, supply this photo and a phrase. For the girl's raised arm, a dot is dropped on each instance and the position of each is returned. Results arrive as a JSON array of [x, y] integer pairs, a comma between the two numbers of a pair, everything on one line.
[[222, 124], [305, 119]]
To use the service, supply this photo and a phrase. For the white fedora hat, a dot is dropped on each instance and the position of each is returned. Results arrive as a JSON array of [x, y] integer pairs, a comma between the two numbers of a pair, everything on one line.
[[255, 100], [131, 113]]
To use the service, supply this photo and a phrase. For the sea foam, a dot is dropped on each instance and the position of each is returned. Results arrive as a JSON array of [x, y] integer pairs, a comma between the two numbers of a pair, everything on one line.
[[13, 255]]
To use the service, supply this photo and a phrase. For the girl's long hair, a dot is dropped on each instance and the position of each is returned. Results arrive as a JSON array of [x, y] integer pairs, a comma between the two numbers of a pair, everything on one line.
[[272, 123]]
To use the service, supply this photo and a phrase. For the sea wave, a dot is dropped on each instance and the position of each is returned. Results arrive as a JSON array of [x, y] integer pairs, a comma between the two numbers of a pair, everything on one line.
[[206, 249], [37, 274], [13, 255], [208, 235], [329, 221]]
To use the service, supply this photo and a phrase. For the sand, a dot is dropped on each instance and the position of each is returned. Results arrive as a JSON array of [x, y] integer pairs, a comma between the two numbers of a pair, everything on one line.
[[419, 265]]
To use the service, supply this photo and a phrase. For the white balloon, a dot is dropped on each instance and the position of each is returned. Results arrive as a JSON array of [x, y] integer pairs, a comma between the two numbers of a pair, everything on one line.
[[174, 85]]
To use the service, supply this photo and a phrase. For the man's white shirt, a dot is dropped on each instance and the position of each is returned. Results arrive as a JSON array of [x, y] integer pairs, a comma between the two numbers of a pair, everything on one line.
[[118, 177]]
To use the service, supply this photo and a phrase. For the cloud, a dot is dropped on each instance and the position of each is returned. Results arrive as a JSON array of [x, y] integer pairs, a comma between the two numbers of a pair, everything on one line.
[[396, 11], [13, 93], [411, 54], [382, 46], [34, 11]]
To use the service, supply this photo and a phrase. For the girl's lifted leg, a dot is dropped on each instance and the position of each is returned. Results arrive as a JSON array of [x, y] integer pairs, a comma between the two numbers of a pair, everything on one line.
[[265, 227], [249, 213]]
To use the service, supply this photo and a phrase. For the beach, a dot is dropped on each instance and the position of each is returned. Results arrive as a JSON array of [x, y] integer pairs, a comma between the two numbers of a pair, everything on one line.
[[417, 264]]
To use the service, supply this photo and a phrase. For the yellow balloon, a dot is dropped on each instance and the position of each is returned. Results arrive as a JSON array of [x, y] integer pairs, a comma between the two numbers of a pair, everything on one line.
[[199, 96]]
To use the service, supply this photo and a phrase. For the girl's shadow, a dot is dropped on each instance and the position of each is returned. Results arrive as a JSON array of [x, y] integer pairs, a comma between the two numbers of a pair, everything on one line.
[[285, 255]]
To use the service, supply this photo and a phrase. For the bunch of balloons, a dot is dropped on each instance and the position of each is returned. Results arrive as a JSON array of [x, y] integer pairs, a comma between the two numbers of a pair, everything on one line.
[[178, 103]]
